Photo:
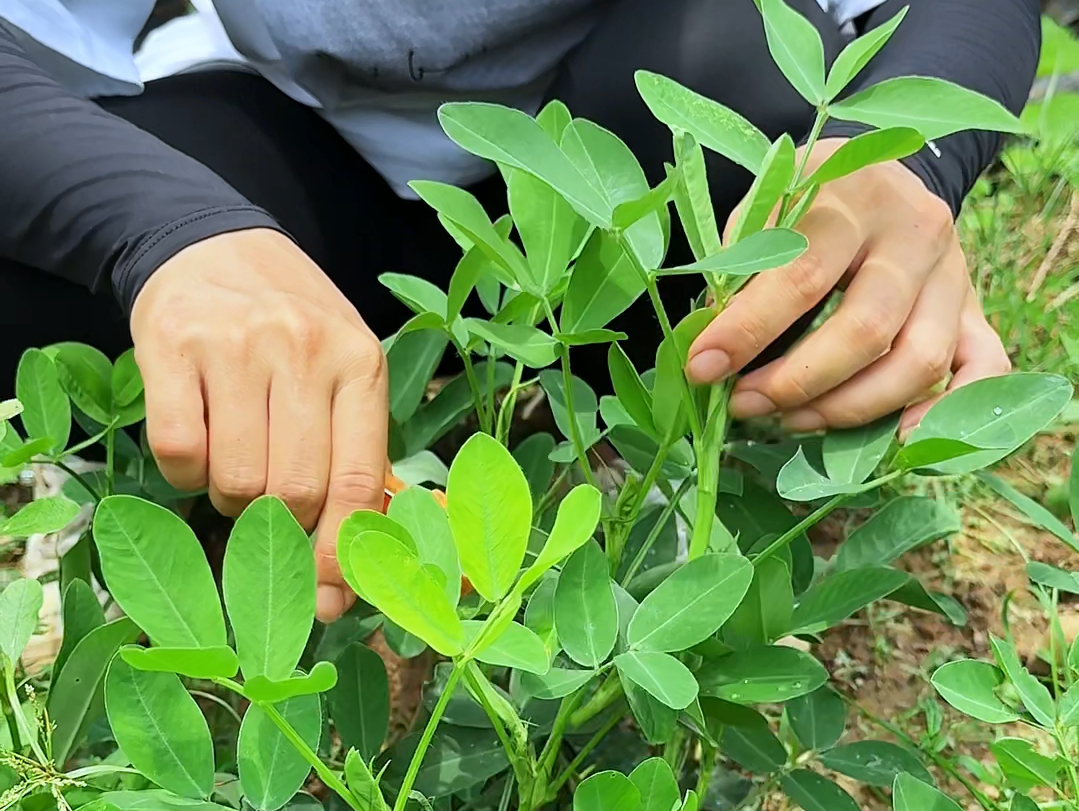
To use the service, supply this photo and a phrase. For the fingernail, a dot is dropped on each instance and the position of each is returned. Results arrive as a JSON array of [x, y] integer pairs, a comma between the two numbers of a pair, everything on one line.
[[709, 366], [329, 603], [803, 421], [747, 404]]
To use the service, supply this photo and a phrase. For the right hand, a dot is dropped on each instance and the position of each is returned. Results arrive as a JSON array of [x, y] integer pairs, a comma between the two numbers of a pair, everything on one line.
[[261, 377]]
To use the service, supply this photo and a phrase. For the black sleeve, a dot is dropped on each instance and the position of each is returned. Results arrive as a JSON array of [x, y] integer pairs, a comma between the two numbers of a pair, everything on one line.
[[92, 198], [990, 46]]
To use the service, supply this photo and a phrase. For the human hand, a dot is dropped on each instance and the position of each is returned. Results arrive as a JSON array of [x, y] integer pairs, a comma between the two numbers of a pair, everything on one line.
[[261, 377], [909, 315]]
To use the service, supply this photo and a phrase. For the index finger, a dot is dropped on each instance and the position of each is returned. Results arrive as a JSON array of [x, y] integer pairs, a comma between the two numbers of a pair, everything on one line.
[[359, 435], [773, 301]]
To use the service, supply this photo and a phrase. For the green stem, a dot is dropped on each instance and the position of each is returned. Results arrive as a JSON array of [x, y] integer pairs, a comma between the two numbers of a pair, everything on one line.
[[585, 751], [709, 448], [86, 443], [428, 734], [819, 514], [608, 693], [705, 769], [657, 528], [496, 722], [26, 732], [574, 428], [1073, 775], [110, 461], [490, 388], [64, 466], [558, 729], [328, 777], [668, 334], [814, 136], [474, 385], [505, 411]]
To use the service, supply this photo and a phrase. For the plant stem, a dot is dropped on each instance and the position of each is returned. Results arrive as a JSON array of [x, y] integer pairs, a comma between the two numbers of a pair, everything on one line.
[[505, 411], [25, 730], [709, 447], [474, 385], [657, 528], [64, 466], [329, 779], [558, 729], [705, 769], [585, 751], [820, 513], [574, 428], [1069, 763], [428, 734], [668, 334], [496, 721], [110, 461], [814, 136], [86, 443]]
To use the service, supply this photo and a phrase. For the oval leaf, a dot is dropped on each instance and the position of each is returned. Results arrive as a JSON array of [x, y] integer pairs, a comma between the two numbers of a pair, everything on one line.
[[155, 569], [575, 523], [607, 791], [20, 604], [911, 794], [46, 411], [814, 792], [760, 251], [762, 675], [586, 616], [271, 771], [663, 676], [42, 516], [839, 595], [876, 763], [971, 687], [516, 647], [195, 663], [360, 701], [323, 677]]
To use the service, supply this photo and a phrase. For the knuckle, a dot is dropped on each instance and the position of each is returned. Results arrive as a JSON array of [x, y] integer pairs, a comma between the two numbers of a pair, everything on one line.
[[934, 218], [175, 445], [364, 359], [300, 494], [932, 362], [874, 329], [240, 485], [788, 391], [356, 487], [809, 278]]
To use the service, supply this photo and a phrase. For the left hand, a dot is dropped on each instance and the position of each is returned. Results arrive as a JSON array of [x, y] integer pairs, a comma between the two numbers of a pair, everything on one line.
[[908, 318]]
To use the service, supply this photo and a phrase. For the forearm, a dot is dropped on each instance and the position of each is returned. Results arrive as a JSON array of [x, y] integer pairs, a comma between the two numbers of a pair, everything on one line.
[[990, 46], [92, 198]]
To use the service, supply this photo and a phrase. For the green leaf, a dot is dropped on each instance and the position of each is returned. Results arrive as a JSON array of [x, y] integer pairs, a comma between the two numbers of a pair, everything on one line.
[[363, 784], [20, 604], [548, 227], [818, 718], [392, 577], [691, 604], [1021, 802], [490, 513], [358, 523], [508, 136], [46, 410], [1052, 577], [972, 688], [76, 694], [911, 794], [126, 381], [929, 452], [761, 675], [903, 524], [857, 54], [474, 270], [814, 792], [465, 212], [796, 48], [589, 337], [419, 295], [457, 759], [9, 409], [851, 455], [412, 361], [445, 410], [608, 165], [607, 791], [1068, 709], [653, 202], [655, 720], [533, 457], [1038, 515], [269, 585], [763, 250], [798, 480], [555, 683], [866, 149], [692, 197], [1035, 695], [576, 521], [754, 747], [426, 522], [631, 391], [25, 452], [584, 405], [517, 647], [586, 616], [86, 375], [765, 613], [155, 569], [668, 404], [1073, 487], [360, 701], [711, 124], [1023, 768], [160, 729], [934, 107], [639, 449], [42, 516], [656, 785], [155, 800], [554, 118], [530, 346], [323, 677], [776, 175], [876, 763], [604, 282], [82, 613], [839, 595], [271, 771], [195, 663], [663, 676]]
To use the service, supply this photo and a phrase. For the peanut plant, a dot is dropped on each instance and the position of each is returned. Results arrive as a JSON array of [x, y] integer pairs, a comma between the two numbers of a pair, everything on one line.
[[659, 607]]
